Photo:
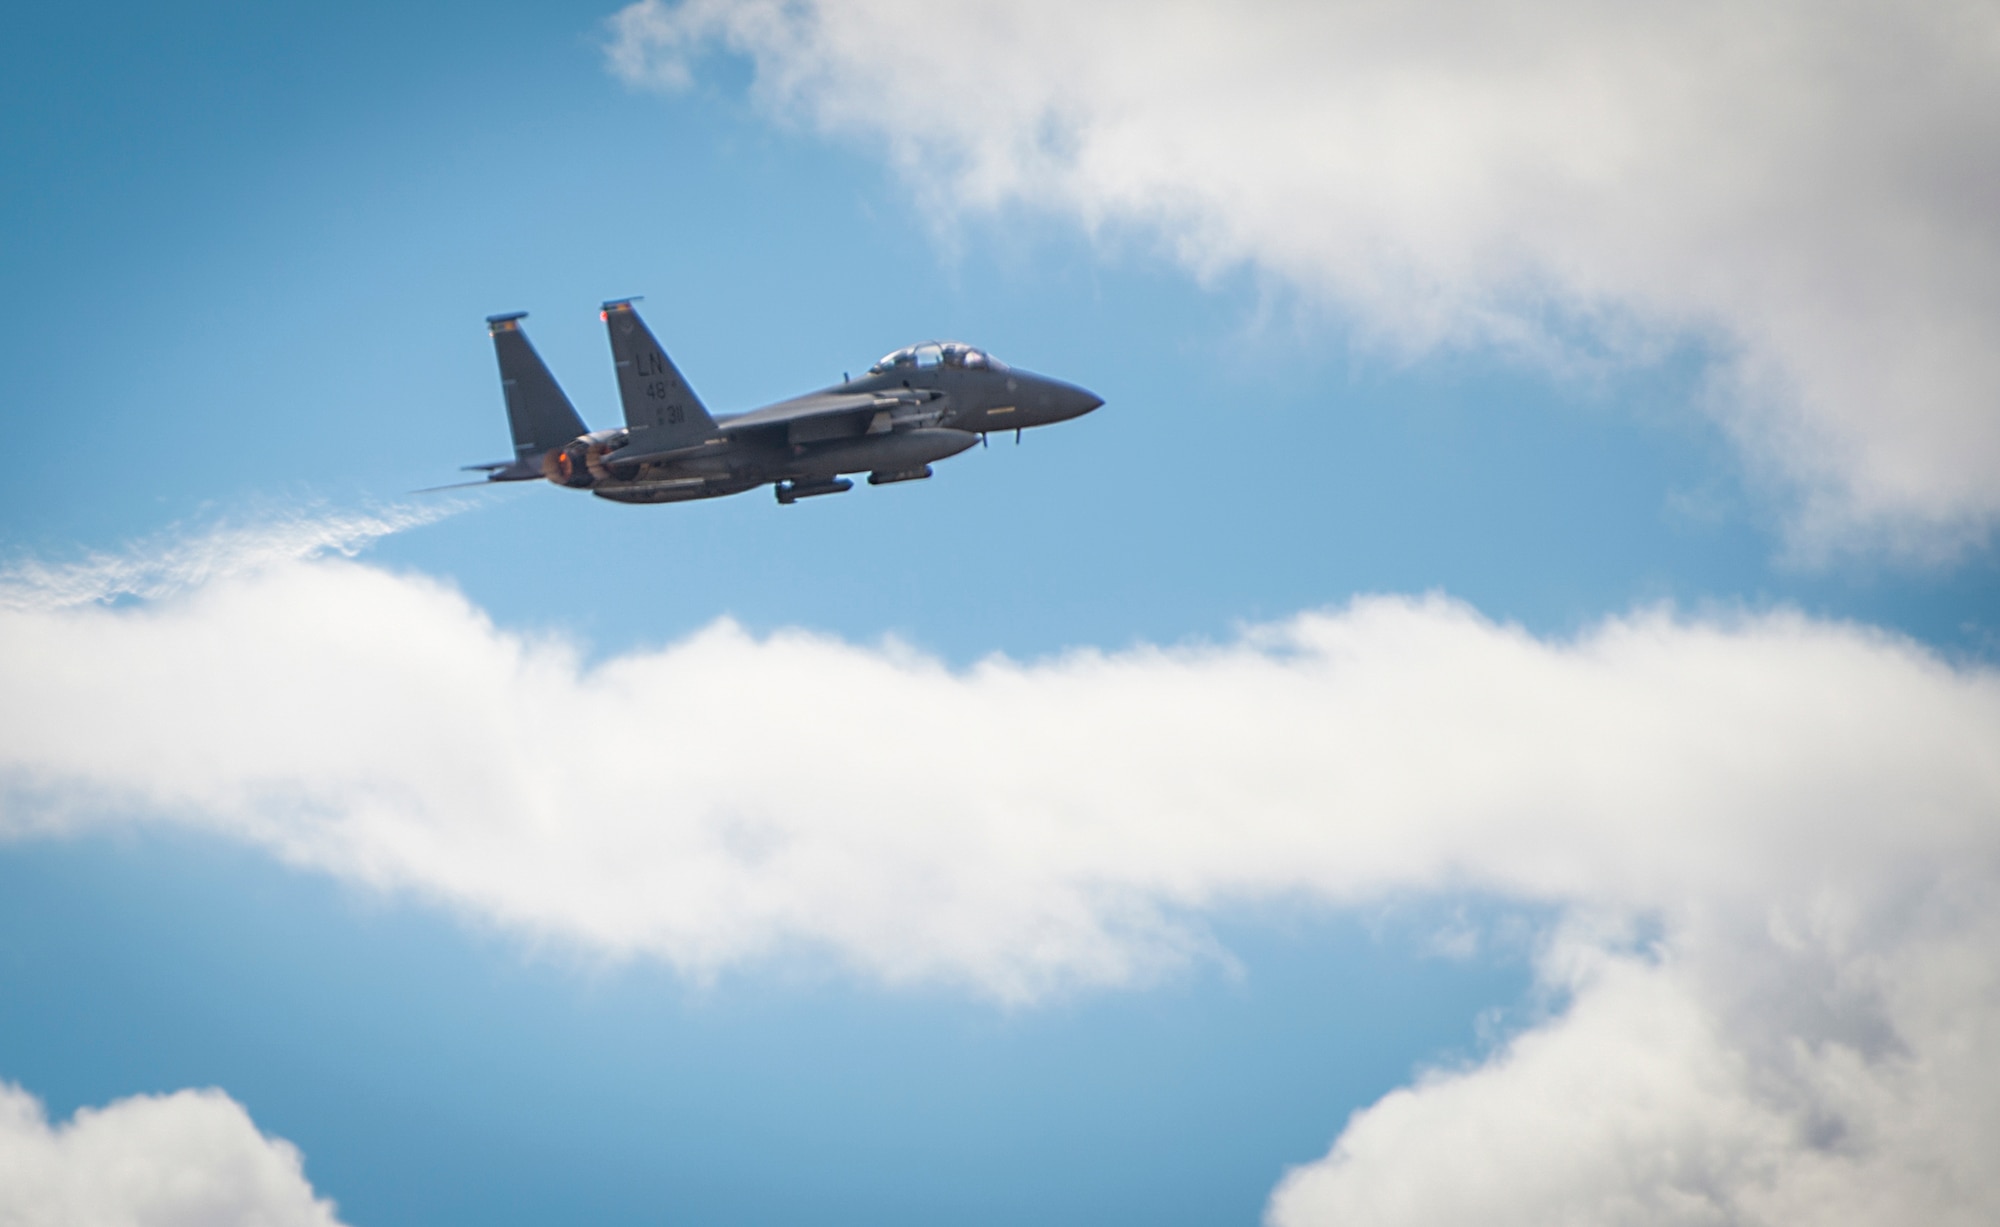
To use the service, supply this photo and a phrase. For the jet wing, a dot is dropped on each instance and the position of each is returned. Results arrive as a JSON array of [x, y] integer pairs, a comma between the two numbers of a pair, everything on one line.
[[812, 418], [799, 408]]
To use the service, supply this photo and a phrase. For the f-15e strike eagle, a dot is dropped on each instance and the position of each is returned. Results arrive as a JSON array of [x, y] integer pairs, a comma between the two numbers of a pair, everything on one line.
[[917, 405]]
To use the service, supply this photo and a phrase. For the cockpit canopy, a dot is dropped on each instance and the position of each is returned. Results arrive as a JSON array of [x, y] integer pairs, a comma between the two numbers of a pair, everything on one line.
[[932, 354]]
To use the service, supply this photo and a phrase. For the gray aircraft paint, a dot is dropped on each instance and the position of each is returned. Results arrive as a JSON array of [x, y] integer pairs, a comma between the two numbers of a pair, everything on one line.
[[918, 405], [538, 412], [661, 411]]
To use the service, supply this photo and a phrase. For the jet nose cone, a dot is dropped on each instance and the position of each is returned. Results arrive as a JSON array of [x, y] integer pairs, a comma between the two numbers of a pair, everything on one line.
[[1078, 401]]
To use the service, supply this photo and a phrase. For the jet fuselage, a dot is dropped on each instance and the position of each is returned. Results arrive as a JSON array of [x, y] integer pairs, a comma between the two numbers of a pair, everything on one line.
[[916, 406]]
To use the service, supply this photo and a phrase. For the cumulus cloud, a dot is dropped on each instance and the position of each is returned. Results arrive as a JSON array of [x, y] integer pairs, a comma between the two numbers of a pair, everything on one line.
[[1802, 814], [1013, 824], [181, 1160], [1805, 189], [1686, 1089]]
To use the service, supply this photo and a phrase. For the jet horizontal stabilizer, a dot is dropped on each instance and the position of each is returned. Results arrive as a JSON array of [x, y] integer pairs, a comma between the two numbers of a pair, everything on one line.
[[527, 468]]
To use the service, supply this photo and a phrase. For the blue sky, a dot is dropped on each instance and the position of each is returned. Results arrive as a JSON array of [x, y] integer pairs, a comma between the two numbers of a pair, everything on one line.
[[250, 251]]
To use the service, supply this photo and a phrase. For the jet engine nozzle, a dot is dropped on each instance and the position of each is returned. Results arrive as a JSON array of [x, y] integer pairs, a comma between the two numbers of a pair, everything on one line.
[[580, 463], [568, 466]]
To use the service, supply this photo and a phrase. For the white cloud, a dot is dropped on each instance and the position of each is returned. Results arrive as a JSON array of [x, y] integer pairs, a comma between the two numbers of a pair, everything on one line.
[[1806, 187], [189, 1159], [1804, 812], [1686, 1091], [1012, 824]]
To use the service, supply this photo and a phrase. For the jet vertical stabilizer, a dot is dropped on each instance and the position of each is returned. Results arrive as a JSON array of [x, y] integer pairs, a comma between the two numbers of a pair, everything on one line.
[[541, 416], [661, 411]]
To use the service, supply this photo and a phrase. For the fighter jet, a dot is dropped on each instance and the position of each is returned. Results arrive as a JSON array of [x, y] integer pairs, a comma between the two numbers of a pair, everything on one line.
[[917, 405]]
